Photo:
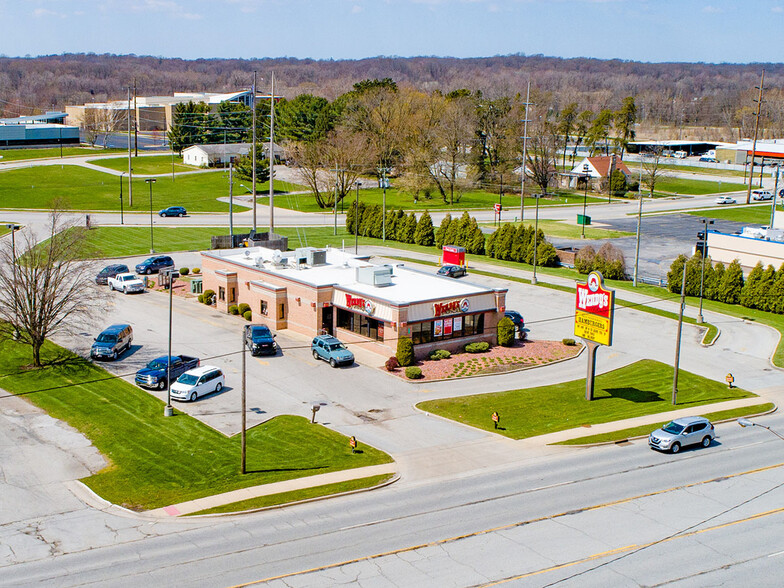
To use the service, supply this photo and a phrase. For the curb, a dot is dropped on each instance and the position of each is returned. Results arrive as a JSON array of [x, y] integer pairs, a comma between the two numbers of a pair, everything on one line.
[[394, 478]]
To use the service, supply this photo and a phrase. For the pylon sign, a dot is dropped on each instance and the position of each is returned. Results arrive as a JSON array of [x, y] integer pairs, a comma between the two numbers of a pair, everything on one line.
[[594, 310]]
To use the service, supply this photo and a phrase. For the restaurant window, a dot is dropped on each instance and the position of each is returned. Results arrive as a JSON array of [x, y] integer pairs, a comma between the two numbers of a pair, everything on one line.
[[360, 324], [281, 311], [232, 294], [264, 308], [221, 293]]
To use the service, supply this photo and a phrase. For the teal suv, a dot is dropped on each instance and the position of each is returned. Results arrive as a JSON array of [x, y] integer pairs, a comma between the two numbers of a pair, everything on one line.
[[330, 349]]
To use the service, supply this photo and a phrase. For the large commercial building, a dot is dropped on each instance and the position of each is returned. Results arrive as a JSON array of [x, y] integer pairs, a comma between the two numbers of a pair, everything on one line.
[[42, 130], [153, 113], [316, 291], [753, 245]]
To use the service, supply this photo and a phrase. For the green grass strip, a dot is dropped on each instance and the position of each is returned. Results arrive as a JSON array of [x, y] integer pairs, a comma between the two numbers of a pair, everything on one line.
[[156, 461], [641, 388], [297, 495], [644, 430]]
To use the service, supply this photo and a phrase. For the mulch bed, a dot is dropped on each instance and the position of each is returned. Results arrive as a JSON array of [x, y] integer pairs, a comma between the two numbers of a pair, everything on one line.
[[496, 360]]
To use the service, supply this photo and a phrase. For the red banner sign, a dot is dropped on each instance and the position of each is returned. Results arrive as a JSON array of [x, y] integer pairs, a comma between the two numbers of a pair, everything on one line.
[[593, 298], [360, 303], [451, 307]]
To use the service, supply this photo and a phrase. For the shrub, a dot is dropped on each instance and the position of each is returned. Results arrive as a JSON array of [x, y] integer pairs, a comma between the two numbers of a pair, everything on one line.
[[569, 342], [440, 354], [233, 309], [248, 315], [184, 271], [405, 351], [478, 347], [392, 364], [413, 372], [506, 332], [208, 296], [243, 308], [201, 298], [196, 270]]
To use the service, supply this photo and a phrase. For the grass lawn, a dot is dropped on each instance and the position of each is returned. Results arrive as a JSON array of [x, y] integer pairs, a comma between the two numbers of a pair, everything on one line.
[[87, 189], [758, 214], [635, 390], [708, 171], [397, 199], [696, 187], [148, 165], [296, 495], [156, 461], [556, 228], [46, 152], [644, 430]]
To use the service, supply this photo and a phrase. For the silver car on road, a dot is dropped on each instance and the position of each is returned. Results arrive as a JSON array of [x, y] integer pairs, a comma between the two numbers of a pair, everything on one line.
[[682, 432]]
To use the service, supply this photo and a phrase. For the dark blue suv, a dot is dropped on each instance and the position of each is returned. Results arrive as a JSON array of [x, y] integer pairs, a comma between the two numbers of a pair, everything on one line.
[[173, 211], [154, 264]]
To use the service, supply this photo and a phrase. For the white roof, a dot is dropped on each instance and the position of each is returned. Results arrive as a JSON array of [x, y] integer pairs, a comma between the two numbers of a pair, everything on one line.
[[408, 285]]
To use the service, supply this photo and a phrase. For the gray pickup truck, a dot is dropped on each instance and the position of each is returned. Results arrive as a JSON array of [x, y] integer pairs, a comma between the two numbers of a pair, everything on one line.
[[154, 374]]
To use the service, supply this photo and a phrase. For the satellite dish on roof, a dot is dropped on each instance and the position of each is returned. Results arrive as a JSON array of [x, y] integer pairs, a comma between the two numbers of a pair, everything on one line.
[[247, 254]]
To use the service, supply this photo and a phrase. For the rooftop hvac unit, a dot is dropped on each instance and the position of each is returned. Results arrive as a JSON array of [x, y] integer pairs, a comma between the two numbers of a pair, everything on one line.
[[317, 257], [375, 275]]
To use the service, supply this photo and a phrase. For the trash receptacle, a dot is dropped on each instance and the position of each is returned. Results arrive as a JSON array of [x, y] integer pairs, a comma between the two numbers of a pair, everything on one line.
[[583, 219], [196, 286]]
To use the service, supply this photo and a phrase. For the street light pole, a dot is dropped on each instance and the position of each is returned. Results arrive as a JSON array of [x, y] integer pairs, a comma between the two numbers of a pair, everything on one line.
[[122, 222], [150, 182], [775, 193], [639, 225], [356, 221], [678, 340], [586, 176], [747, 423], [231, 203], [14, 228], [242, 432], [168, 410], [705, 222], [536, 233]]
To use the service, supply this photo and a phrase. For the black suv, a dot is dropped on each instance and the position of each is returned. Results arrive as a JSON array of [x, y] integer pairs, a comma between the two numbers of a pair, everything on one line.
[[259, 339], [109, 272], [517, 319], [154, 264]]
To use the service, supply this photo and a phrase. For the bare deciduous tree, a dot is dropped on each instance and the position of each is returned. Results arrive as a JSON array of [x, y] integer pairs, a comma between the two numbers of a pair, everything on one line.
[[542, 152], [652, 169], [45, 288]]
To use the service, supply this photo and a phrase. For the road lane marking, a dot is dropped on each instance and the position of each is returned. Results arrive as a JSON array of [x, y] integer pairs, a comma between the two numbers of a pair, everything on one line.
[[529, 522]]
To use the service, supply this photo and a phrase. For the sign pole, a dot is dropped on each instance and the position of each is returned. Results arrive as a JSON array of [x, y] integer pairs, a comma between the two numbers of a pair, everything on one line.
[[589, 378]]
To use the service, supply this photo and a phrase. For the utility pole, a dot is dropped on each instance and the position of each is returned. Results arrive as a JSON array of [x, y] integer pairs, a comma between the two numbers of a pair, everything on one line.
[[639, 225], [335, 203], [678, 340], [242, 437], [231, 203], [775, 194], [754, 143], [272, 157], [130, 168], [253, 151], [135, 123], [525, 153]]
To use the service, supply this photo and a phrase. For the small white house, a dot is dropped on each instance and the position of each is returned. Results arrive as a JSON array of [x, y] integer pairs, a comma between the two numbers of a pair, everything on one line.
[[223, 153]]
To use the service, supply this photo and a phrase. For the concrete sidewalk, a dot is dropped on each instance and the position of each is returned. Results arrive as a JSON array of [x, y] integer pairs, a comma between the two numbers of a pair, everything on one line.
[[199, 504]]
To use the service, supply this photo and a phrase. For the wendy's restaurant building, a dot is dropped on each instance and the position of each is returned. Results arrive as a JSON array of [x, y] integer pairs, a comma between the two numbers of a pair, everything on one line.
[[317, 291]]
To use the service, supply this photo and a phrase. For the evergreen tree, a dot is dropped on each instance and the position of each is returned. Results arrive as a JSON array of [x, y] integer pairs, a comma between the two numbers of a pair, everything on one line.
[[709, 282], [464, 230], [546, 255], [503, 244], [409, 228], [693, 275], [452, 232], [749, 294], [442, 229], [675, 275], [392, 225], [765, 298], [713, 292], [519, 243], [732, 283], [243, 167], [490, 248], [424, 230], [777, 292], [477, 243]]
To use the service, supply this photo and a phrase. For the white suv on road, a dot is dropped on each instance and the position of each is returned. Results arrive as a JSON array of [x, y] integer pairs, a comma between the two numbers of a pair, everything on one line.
[[761, 195], [126, 283]]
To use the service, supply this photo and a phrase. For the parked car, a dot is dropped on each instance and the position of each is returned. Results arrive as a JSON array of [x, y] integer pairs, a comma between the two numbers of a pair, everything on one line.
[[725, 200], [708, 159], [126, 283], [761, 195], [154, 374], [330, 349], [198, 382], [112, 342], [680, 154], [110, 271], [517, 319], [260, 340], [682, 432], [452, 271], [154, 264], [173, 211]]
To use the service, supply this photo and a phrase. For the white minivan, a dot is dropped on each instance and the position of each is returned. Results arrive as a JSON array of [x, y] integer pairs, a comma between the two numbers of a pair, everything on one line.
[[198, 382]]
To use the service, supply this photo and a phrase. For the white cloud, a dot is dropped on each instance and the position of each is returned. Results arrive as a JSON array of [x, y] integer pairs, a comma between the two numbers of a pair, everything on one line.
[[356, 9], [45, 12], [777, 9], [712, 9], [164, 6]]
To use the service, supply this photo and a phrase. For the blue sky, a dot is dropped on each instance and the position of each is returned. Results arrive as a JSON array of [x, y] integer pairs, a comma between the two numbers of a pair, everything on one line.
[[647, 30]]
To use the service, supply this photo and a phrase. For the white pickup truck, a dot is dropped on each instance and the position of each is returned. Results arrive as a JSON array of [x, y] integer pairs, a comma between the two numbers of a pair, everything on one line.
[[126, 283]]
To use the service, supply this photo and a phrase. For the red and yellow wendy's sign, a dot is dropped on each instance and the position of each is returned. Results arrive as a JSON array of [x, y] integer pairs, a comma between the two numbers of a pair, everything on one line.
[[594, 310]]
